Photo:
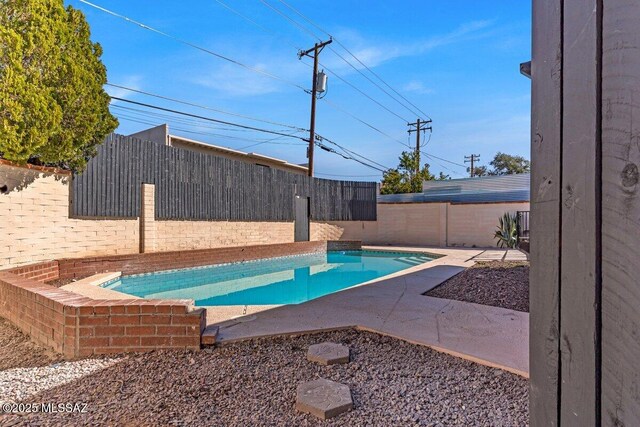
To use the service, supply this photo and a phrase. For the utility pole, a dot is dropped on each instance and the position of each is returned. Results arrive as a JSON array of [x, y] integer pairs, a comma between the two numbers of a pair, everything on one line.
[[313, 53], [420, 126], [472, 158]]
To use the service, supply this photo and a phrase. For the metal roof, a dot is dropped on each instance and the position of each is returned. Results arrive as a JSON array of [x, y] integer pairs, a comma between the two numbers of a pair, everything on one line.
[[489, 189]]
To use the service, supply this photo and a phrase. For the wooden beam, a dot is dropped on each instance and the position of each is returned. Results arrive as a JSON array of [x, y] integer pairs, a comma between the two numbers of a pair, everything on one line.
[[546, 154], [621, 214], [580, 235]]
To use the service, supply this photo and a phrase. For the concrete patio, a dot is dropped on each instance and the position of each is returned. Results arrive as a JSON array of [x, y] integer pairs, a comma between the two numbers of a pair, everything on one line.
[[395, 306]]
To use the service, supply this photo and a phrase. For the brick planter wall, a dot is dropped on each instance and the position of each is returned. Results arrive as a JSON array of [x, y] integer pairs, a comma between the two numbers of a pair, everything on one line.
[[77, 326]]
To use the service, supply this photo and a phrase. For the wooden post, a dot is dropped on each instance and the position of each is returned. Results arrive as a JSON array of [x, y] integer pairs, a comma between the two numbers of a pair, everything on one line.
[[546, 145], [585, 215], [620, 213]]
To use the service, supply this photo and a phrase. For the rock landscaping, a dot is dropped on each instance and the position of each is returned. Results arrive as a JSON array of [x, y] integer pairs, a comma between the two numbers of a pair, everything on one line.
[[255, 383], [17, 350], [497, 283]]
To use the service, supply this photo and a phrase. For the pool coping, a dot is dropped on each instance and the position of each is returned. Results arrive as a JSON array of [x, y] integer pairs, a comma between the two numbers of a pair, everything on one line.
[[491, 336]]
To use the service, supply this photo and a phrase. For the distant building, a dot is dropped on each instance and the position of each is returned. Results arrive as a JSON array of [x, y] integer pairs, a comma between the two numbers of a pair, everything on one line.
[[160, 135], [486, 189]]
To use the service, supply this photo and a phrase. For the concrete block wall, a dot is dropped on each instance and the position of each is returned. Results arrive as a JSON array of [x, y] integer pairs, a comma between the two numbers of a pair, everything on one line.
[[188, 235], [35, 224], [426, 224]]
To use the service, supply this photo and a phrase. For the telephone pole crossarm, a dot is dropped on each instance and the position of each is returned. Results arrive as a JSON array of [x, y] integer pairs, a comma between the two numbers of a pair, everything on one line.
[[420, 126]]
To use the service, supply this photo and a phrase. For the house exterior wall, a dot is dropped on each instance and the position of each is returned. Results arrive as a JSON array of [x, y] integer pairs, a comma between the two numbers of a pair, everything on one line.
[[178, 143]]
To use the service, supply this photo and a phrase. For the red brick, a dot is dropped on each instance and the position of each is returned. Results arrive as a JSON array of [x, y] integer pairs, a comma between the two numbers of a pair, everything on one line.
[[127, 341], [132, 309], [185, 320], [155, 341], [93, 342], [186, 341], [125, 320], [171, 330], [86, 332], [93, 320], [117, 309], [155, 320], [106, 331], [140, 330]]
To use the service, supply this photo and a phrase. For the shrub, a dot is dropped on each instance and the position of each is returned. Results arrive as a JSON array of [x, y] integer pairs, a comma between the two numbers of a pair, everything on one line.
[[507, 231]]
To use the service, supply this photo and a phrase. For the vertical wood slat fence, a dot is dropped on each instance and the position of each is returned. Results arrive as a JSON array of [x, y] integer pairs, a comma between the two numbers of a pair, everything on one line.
[[198, 186]]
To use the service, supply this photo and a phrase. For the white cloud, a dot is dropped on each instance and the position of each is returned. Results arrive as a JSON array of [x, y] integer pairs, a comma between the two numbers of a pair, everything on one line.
[[132, 81], [374, 56], [418, 87], [232, 80]]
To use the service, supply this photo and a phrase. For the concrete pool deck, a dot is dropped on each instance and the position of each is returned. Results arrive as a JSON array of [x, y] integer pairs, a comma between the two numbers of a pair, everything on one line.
[[395, 305]]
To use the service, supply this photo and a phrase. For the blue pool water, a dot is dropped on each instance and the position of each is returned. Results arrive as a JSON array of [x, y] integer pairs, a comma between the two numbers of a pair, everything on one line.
[[288, 280]]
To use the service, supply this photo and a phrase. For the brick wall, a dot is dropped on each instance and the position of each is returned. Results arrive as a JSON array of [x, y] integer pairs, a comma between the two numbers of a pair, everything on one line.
[[35, 223], [77, 326]]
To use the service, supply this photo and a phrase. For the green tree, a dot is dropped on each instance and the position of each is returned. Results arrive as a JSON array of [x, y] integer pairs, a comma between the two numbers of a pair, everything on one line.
[[53, 108], [479, 171], [404, 178], [506, 164]]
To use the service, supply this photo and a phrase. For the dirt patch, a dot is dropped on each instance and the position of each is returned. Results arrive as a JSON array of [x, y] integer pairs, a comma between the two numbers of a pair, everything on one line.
[[496, 283], [60, 282], [254, 384], [18, 351]]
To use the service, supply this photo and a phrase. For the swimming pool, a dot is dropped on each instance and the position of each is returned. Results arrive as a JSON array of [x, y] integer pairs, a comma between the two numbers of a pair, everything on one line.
[[272, 281]]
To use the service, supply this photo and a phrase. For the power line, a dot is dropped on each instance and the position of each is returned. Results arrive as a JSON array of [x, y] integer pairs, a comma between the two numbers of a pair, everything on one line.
[[348, 157], [364, 122], [207, 118], [359, 61], [154, 122], [204, 107], [267, 30], [352, 152], [222, 57], [348, 176], [193, 45], [444, 160]]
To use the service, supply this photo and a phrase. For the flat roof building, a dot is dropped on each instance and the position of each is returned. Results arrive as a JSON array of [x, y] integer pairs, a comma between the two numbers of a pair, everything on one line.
[[160, 135]]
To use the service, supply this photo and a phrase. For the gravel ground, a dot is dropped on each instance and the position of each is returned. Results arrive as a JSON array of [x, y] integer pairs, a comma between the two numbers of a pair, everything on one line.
[[17, 350], [253, 384], [496, 283]]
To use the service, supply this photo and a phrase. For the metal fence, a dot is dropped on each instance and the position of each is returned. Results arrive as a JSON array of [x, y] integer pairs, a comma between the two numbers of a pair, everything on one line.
[[522, 224], [197, 186]]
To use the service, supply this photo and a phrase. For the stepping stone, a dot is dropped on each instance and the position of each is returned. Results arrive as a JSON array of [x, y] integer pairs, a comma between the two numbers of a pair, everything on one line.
[[323, 398], [328, 353]]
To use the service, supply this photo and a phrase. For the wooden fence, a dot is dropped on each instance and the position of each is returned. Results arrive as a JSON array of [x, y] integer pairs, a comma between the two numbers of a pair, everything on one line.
[[197, 186]]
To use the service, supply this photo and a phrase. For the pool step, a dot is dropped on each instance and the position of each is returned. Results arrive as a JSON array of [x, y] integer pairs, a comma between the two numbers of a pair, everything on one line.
[[209, 336]]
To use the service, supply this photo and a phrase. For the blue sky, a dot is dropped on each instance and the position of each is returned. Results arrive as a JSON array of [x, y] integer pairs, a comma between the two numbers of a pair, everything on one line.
[[455, 60]]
